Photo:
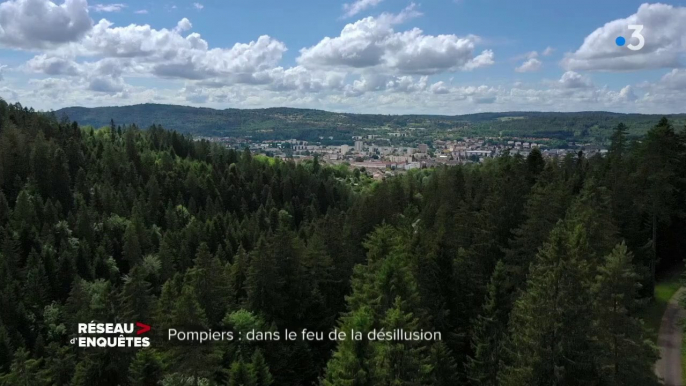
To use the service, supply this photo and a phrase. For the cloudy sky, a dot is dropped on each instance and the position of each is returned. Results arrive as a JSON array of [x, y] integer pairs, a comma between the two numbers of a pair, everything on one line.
[[368, 56]]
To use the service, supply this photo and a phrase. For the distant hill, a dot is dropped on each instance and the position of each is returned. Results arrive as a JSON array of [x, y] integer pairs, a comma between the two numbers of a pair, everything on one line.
[[282, 123]]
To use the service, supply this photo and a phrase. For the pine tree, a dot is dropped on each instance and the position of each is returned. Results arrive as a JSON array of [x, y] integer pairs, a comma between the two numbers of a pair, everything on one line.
[[192, 359], [264, 282], [626, 355], [260, 370], [4, 208], [239, 273], [132, 248], [5, 350], [240, 374], [61, 180], [404, 362], [211, 285], [145, 369], [135, 298], [661, 152], [36, 285], [490, 331], [24, 370], [59, 364], [548, 338], [444, 370], [545, 206], [351, 362], [385, 295]]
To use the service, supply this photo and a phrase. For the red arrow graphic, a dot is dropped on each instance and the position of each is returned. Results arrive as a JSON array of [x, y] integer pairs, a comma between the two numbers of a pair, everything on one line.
[[143, 328]]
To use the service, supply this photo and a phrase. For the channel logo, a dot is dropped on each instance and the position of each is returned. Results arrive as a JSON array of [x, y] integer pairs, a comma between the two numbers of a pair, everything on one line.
[[125, 335]]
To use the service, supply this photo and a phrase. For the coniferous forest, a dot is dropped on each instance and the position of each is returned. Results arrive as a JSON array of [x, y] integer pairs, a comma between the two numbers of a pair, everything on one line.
[[534, 271]]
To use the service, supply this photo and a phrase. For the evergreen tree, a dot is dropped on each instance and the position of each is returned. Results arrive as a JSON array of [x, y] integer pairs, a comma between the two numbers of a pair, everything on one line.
[[146, 369], [240, 374], [136, 298], [404, 362], [24, 370], [626, 355], [190, 358], [211, 284], [662, 152], [260, 370], [238, 275], [548, 341], [132, 248], [490, 331]]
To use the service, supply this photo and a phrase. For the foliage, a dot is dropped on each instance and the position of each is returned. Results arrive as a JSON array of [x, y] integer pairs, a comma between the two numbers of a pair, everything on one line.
[[531, 270]]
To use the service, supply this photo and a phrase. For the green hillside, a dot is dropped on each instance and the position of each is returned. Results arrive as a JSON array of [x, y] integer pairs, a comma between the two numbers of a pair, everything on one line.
[[282, 123]]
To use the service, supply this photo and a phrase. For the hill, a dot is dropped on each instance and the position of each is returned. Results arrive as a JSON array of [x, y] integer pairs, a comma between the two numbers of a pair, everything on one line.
[[283, 123]]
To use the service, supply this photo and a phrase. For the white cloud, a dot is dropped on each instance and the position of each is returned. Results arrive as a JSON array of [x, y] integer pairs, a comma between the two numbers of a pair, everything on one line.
[[531, 65], [197, 6], [387, 95], [548, 51], [108, 7], [627, 93], [525, 56], [166, 53], [35, 24], [571, 79], [53, 65], [373, 43], [665, 41], [408, 13], [183, 25], [2, 67], [8, 94], [675, 79], [143, 51], [352, 9], [484, 100], [485, 58], [374, 82], [439, 88], [106, 85], [141, 12], [300, 79]]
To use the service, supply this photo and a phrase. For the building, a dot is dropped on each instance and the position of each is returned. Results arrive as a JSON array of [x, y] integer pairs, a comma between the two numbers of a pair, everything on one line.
[[479, 153], [358, 146], [345, 149], [423, 148]]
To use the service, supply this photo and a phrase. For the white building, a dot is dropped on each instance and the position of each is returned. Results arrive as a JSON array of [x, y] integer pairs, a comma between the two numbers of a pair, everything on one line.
[[479, 153]]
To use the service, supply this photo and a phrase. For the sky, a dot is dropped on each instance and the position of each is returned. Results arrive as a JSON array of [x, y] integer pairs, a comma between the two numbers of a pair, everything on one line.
[[360, 56]]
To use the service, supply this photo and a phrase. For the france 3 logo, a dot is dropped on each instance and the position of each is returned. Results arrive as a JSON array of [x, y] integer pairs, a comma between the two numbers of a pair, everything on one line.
[[637, 28]]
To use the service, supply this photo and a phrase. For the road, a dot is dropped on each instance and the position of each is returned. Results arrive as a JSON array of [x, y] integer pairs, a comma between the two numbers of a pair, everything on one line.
[[668, 367]]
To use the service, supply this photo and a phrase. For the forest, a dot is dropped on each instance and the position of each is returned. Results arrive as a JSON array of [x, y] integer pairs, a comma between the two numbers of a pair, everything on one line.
[[533, 270]]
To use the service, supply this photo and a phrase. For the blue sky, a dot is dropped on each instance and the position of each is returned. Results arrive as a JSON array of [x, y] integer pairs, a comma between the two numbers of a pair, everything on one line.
[[388, 56]]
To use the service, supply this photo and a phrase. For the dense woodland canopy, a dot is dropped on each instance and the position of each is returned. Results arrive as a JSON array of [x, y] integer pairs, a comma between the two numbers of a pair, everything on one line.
[[532, 270]]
